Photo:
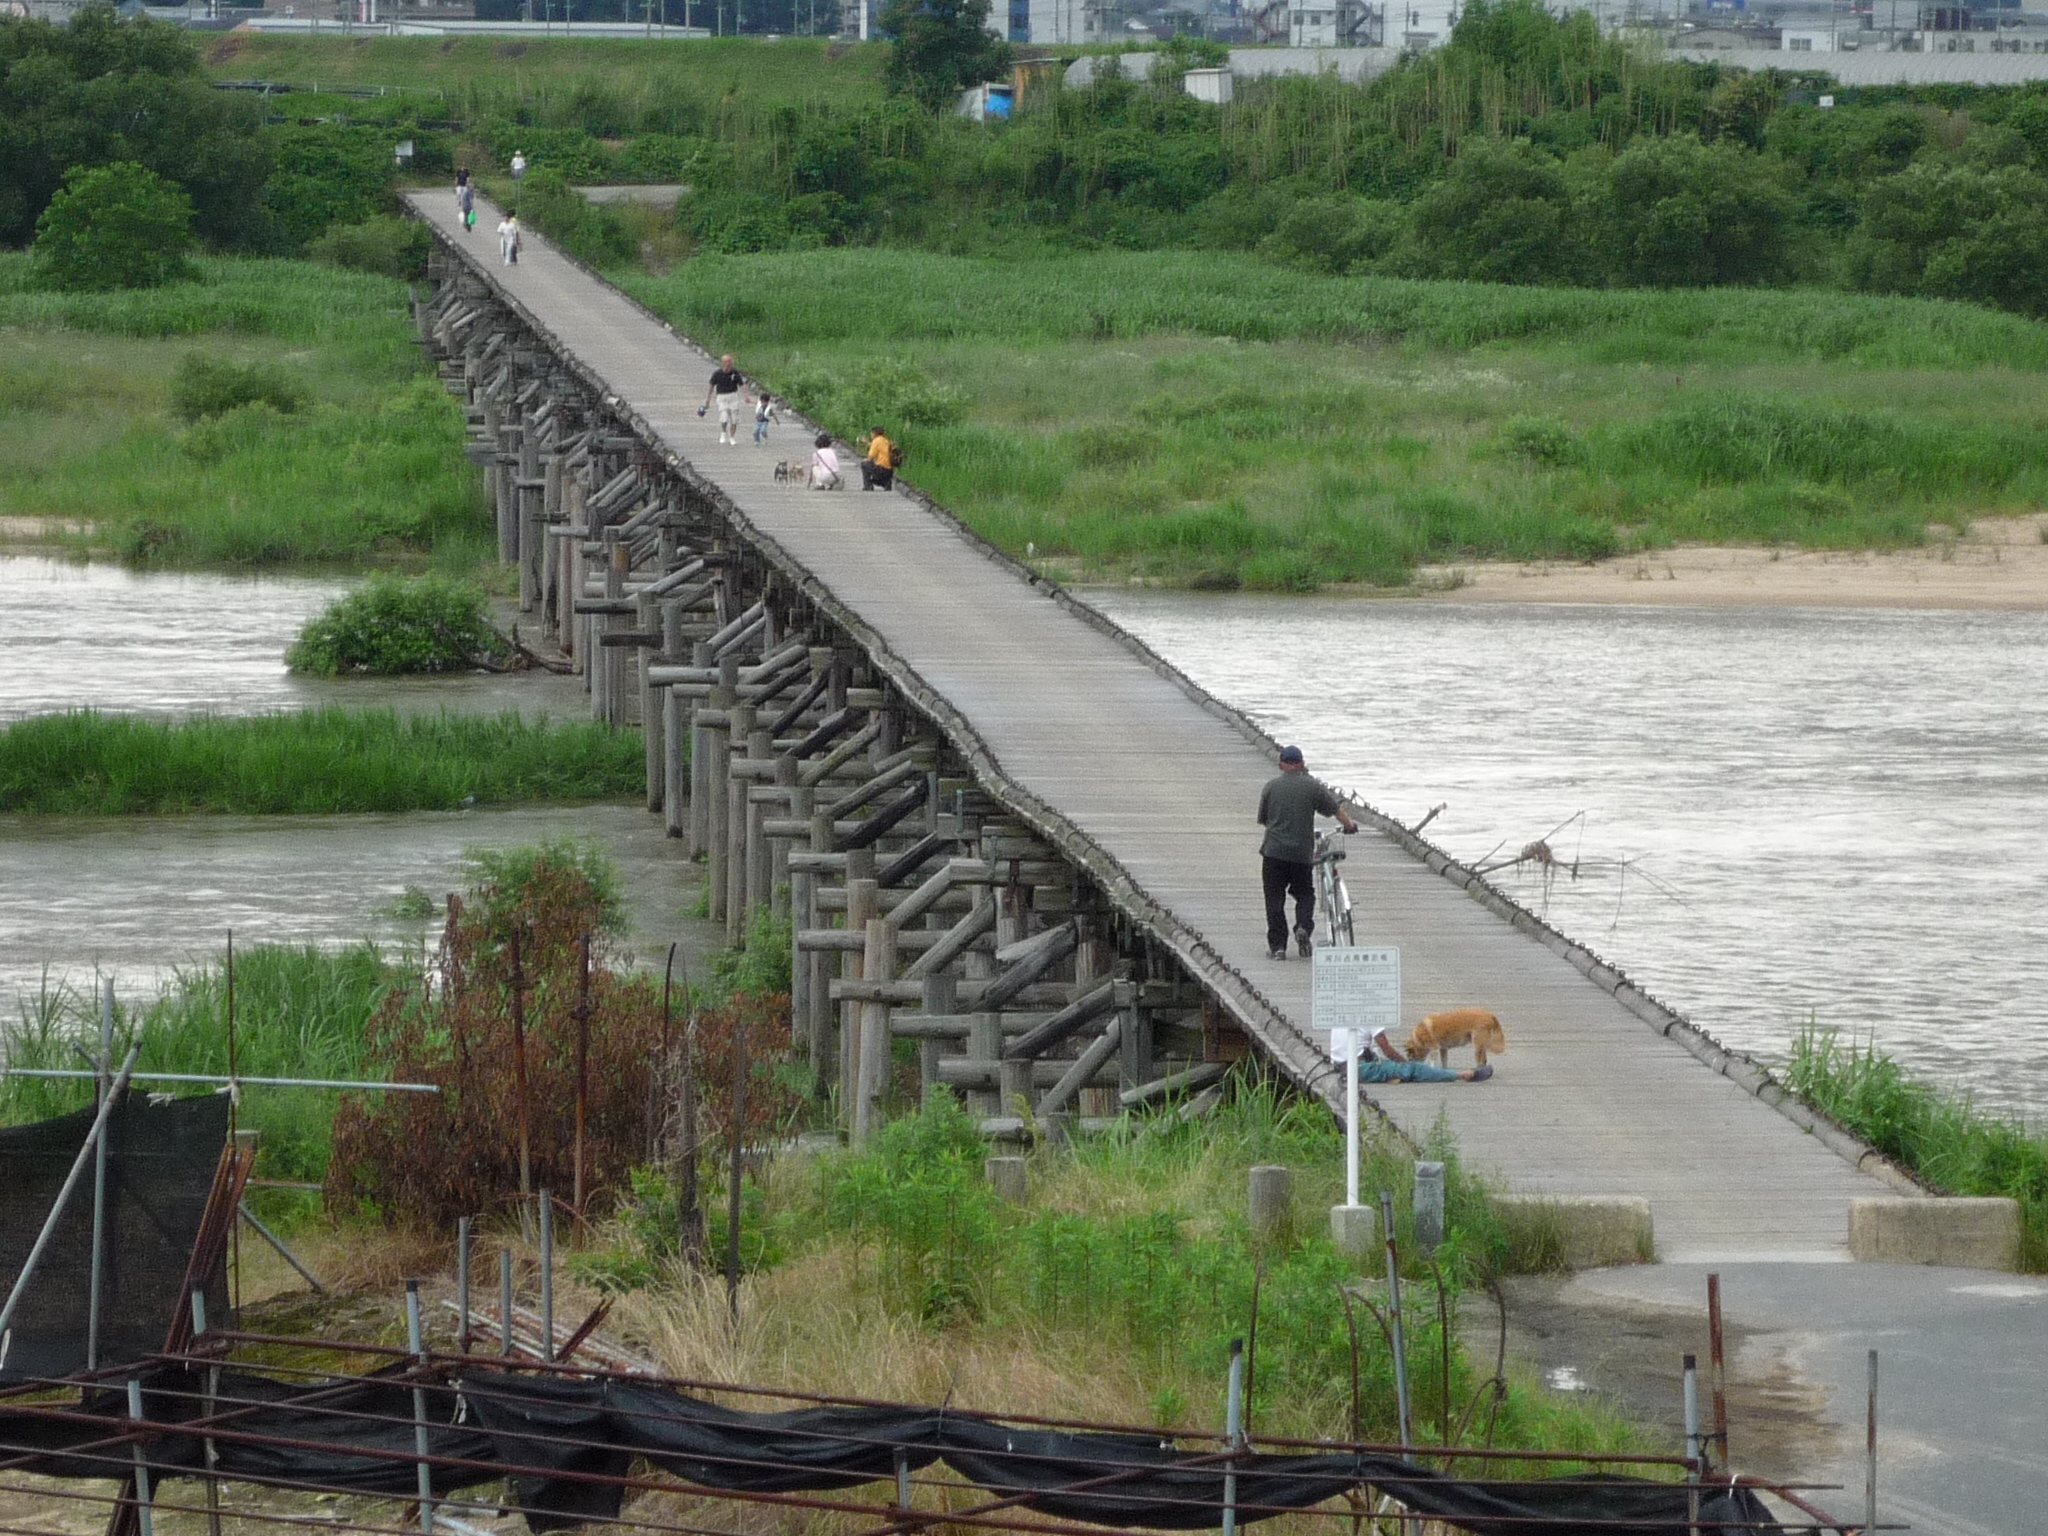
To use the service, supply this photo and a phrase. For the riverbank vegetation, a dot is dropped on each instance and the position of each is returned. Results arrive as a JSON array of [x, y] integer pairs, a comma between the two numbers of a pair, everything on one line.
[[270, 413], [1206, 420], [331, 761], [299, 1012], [395, 625], [1936, 1133]]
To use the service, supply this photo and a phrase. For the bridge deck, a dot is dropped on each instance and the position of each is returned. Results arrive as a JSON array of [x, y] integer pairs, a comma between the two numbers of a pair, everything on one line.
[[1588, 1100]]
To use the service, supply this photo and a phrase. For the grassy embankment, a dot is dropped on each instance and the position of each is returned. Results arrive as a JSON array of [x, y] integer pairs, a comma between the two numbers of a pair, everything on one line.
[[299, 1012], [1936, 1133], [1207, 419], [320, 762], [369, 471], [1113, 1292], [482, 77]]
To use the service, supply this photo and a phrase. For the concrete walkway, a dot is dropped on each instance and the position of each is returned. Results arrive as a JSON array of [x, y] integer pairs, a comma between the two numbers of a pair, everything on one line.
[[1588, 1100]]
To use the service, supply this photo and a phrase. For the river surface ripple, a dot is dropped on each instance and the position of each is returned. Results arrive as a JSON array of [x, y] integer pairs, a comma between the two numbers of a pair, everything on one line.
[[1787, 813]]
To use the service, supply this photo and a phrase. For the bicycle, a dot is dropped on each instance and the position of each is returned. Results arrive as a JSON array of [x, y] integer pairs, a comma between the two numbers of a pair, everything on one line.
[[1333, 899]]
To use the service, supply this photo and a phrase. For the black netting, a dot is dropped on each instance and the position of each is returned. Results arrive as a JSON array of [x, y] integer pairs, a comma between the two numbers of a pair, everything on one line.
[[161, 1159]]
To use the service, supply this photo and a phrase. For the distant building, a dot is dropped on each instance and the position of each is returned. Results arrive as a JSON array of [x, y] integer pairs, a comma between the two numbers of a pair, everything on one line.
[[1816, 41], [1335, 24]]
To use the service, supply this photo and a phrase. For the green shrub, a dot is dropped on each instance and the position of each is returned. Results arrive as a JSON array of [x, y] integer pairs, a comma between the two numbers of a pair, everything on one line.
[[114, 226], [1541, 441], [212, 386], [389, 246], [393, 625]]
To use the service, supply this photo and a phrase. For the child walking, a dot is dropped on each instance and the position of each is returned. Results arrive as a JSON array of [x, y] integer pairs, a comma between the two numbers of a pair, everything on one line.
[[764, 418]]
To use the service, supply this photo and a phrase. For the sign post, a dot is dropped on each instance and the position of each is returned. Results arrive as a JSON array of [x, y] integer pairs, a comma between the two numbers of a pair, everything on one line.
[[1357, 992]]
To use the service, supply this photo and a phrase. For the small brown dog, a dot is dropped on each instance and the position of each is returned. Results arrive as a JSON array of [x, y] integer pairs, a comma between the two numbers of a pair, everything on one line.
[[1460, 1026]]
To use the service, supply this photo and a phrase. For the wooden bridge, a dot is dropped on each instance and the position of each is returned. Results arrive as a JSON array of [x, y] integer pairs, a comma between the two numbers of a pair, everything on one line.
[[1006, 829]]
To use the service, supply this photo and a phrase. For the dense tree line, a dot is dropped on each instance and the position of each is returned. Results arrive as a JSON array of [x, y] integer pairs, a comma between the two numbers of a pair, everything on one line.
[[102, 92], [1531, 149]]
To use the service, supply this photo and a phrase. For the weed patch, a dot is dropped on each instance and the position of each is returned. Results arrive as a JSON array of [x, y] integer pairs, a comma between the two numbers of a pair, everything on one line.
[[322, 762], [1939, 1135]]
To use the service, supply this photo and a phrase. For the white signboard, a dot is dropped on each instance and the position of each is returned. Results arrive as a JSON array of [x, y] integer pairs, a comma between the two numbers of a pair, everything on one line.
[[1357, 988]]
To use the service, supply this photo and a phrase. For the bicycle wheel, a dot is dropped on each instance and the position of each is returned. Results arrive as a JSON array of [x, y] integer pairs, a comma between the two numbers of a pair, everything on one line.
[[1340, 912]]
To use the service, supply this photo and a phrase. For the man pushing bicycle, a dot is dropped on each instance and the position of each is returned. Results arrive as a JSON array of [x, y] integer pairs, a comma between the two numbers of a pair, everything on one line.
[[1288, 807]]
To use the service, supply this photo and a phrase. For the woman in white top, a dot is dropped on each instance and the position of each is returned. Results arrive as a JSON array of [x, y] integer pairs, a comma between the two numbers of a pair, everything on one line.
[[824, 465], [508, 239]]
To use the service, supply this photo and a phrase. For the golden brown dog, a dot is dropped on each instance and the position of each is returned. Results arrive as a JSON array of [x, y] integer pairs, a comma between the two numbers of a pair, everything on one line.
[[1460, 1026]]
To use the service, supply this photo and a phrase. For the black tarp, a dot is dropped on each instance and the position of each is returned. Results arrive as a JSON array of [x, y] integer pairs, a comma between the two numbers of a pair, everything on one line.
[[161, 1159], [560, 1439]]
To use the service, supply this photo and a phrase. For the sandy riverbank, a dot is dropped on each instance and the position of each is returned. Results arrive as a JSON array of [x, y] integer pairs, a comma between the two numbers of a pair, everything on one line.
[[2000, 563]]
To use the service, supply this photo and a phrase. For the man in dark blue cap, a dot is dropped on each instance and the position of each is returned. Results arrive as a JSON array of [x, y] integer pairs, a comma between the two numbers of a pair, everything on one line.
[[1288, 807]]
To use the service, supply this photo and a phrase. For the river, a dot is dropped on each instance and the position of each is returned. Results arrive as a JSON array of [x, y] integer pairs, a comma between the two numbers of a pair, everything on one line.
[[1779, 814], [138, 897]]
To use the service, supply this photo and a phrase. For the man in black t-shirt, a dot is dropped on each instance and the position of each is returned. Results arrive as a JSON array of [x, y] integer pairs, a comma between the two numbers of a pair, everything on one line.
[[1288, 807], [724, 392]]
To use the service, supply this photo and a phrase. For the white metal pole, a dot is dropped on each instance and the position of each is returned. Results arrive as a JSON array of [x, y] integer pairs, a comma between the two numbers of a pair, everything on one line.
[[1351, 1121]]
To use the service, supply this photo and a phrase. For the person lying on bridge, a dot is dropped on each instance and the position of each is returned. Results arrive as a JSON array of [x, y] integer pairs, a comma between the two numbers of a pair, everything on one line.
[[1288, 807], [1382, 1063]]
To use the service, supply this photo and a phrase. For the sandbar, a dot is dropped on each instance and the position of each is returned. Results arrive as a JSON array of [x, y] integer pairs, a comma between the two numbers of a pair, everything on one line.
[[2001, 563]]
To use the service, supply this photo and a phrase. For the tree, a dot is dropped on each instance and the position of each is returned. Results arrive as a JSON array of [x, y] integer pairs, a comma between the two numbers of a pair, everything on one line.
[[114, 226], [1957, 232], [102, 90], [941, 48], [1685, 214], [1501, 216]]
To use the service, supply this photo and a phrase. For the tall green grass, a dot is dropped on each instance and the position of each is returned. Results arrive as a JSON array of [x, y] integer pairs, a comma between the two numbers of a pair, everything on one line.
[[621, 85], [370, 470], [325, 761], [884, 297], [1938, 1134], [1205, 420], [299, 1012]]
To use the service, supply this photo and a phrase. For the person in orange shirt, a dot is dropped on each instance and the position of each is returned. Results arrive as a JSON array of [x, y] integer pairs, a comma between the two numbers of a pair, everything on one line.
[[878, 469]]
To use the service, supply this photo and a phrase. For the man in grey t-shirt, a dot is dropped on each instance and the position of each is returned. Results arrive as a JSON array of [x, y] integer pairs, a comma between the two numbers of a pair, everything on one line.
[[1288, 807]]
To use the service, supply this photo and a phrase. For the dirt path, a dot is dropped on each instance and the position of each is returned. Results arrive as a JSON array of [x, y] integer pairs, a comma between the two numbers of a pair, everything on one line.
[[1999, 563]]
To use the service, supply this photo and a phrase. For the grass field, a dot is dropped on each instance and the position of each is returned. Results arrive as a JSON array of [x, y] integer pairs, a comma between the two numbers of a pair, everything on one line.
[[369, 472], [660, 88], [1208, 419], [322, 762]]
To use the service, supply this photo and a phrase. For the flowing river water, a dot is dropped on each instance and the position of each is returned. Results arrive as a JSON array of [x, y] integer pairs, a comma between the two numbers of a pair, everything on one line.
[[139, 897], [1777, 814]]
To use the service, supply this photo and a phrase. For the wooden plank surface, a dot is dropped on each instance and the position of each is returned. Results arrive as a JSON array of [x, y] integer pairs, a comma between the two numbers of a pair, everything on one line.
[[1587, 1099]]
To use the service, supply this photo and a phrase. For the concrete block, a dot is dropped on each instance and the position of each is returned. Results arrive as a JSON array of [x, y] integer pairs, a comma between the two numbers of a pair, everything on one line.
[[1006, 1177], [1354, 1229], [1578, 1231], [1975, 1233], [1271, 1206], [1429, 1206]]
